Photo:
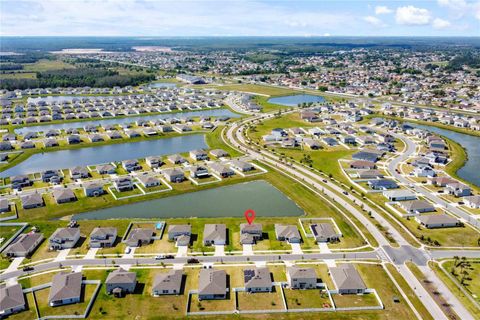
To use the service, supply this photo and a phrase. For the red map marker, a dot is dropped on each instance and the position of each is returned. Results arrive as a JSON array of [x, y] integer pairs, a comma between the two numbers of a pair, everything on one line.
[[250, 216]]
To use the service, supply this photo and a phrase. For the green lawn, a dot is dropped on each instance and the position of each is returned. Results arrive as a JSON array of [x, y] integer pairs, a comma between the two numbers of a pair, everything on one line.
[[260, 300], [260, 89], [302, 299], [47, 65]]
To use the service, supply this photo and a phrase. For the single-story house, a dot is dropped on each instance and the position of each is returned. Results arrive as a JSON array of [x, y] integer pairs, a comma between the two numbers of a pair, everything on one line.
[[362, 164], [23, 245], [250, 233], [131, 165], [180, 233], [33, 200], [472, 201], [382, 184], [399, 195], [221, 170], [416, 206], [176, 159], [4, 205], [79, 173], [106, 169], [437, 221], [301, 278], [257, 280], [369, 174], [63, 195], [120, 282], [312, 144], [458, 189], [242, 165], [212, 284], [12, 299], [214, 234], [324, 232], [347, 280], [154, 162], [66, 289], [174, 175], [139, 237], [287, 233], [219, 153], [148, 181], [168, 283]]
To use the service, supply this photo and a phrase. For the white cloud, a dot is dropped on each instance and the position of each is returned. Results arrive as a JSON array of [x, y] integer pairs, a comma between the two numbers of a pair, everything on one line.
[[382, 10], [412, 16], [453, 4], [441, 23], [477, 10], [373, 21]]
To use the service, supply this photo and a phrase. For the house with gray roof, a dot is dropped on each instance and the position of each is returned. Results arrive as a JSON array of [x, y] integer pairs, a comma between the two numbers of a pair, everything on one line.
[[93, 189], [124, 183], [221, 170], [63, 195], [4, 205], [437, 221], [242, 166], [121, 282], [214, 234], [198, 155], [103, 237], [106, 169], [470, 201], [324, 232], [301, 278], [12, 299], [174, 175], [180, 233], [168, 283], [23, 245], [176, 159], [287, 233], [250, 233], [458, 189], [416, 206], [64, 238], [154, 162], [148, 181], [32, 200], [399, 195], [139, 237], [79, 173], [347, 280], [212, 284], [257, 280], [66, 289], [219, 153]]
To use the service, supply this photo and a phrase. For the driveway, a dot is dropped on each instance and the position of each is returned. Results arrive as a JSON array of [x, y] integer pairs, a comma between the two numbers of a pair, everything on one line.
[[219, 250], [247, 249], [296, 248]]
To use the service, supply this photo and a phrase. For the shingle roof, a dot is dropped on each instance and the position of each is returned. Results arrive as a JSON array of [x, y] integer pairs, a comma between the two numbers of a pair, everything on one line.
[[168, 281], [346, 277], [212, 282], [121, 276], [11, 297], [65, 286]]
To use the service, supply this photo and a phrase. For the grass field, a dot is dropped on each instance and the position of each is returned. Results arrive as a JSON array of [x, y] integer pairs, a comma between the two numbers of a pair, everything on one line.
[[18, 75], [255, 88], [47, 65]]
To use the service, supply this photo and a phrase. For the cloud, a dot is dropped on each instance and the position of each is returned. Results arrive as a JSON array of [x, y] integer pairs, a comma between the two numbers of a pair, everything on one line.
[[374, 21], [382, 10], [441, 23], [412, 16], [453, 4]]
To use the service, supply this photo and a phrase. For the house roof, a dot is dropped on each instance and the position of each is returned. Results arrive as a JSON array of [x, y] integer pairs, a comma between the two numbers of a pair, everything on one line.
[[287, 231], [121, 276], [472, 199], [170, 281], [103, 231], [257, 277], [142, 234], [346, 277], [180, 228], [63, 194], [65, 233], [32, 199], [212, 282], [251, 228], [415, 205], [301, 273], [323, 230], [398, 193], [214, 232], [24, 242], [11, 296], [437, 219], [65, 286]]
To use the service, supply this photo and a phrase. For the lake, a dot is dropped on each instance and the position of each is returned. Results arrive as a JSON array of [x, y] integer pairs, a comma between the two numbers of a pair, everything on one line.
[[162, 85], [471, 170], [128, 119], [102, 154], [228, 201], [294, 100]]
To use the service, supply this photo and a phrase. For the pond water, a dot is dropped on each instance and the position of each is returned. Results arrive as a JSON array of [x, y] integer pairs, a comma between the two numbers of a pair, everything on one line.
[[102, 154], [129, 119], [471, 170], [228, 201], [294, 100]]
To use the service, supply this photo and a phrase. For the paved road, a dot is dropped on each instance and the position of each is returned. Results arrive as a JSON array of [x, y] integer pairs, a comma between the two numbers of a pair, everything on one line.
[[202, 259], [411, 147]]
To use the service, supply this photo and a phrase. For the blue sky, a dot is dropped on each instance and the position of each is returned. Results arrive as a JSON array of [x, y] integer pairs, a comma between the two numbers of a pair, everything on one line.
[[239, 18]]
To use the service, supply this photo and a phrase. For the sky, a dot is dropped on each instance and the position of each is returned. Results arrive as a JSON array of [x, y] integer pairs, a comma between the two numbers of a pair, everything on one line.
[[239, 18]]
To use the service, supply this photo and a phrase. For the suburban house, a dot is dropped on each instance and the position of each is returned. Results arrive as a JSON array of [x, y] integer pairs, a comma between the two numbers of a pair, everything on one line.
[[366, 156], [4, 205], [23, 245], [219, 153], [250, 233], [199, 172], [79, 173], [324, 232], [212, 284], [198, 155], [362, 164], [458, 189], [63, 195], [64, 238], [382, 184], [242, 166], [347, 280], [312, 144], [121, 282], [131, 165], [424, 171], [416, 206], [257, 280], [437, 221], [180, 233], [103, 237], [287, 233], [106, 169], [66, 289], [12, 299], [154, 162], [399, 195], [440, 181], [123, 184], [168, 283], [139, 237], [176, 159], [214, 234], [20, 181], [301, 278], [33, 200], [472, 201], [174, 175], [148, 181], [369, 174], [93, 189], [221, 170]]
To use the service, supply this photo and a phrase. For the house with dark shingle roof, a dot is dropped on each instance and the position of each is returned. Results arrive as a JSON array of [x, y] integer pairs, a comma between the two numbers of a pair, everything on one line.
[[214, 234], [257, 280], [347, 280], [139, 236], [33, 200], [437, 221], [301, 278], [63, 195], [250, 233], [64, 238], [287, 233], [103, 237], [168, 283], [12, 299], [23, 245], [66, 289], [212, 284], [121, 282]]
